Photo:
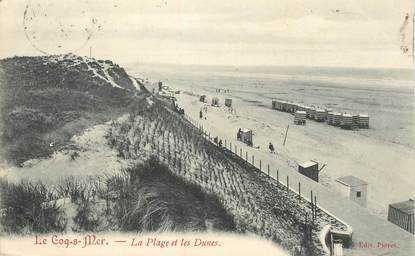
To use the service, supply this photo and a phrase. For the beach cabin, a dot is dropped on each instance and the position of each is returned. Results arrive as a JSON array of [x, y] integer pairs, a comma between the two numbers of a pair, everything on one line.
[[355, 120], [215, 102], [311, 112], [320, 115], [280, 105], [273, 103], [346, 121], [402, 214], [291, 107], [246, 136], [283, 106], [330, 118], [363, 121], [336, 118], [353, 188], [301, 107], [228, 103], [300, 117], [202, 98], [309, 169]]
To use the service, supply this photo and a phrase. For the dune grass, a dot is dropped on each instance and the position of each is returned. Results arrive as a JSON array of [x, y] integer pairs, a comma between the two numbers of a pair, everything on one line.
[[146, 197], [24, 209], [44, 103]]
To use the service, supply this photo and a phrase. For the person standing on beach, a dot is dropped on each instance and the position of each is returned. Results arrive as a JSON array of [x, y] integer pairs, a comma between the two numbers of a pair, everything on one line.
[[200, 114], [271, 148]]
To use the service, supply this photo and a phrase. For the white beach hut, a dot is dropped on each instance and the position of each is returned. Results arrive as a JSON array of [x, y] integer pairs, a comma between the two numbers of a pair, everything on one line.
[[354, 188]]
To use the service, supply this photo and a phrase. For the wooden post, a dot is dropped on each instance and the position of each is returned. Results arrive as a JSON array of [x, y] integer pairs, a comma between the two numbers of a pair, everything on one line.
[[315, 207], [286, 132], [253, 160], [260, 165], [311, 199], [268, 170], [299, 191], [226, 145], [288, 182], [236, 150], [230, 146], [240, 152], [278, 179], [246, 156]]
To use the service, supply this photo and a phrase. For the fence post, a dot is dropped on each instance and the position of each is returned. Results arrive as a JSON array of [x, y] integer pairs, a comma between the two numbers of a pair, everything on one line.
[[226, 145], [240, 152], [260, 165], [268, 170], [315, 207], [278, 178], [230, 146], [253, 160], [246, 156], [311, 199], [299, 191], [288, 182], [236, 150]]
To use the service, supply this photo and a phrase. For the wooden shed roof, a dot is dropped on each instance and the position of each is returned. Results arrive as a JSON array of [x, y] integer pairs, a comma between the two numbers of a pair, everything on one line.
[[351, 181]]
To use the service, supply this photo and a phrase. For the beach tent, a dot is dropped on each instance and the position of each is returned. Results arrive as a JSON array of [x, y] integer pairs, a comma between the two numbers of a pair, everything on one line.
[[215, 102], [228, 102], [246, 137], [402, 214]]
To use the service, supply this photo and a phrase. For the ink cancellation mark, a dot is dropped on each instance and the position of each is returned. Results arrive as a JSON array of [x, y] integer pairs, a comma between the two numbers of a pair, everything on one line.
[[55, 27]]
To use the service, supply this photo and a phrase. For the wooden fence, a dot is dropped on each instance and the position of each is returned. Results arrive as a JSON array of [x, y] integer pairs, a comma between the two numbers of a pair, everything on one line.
[[259, 166]]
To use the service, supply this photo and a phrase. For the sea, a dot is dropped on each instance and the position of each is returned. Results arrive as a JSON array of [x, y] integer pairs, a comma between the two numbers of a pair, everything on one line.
[[386, 95]]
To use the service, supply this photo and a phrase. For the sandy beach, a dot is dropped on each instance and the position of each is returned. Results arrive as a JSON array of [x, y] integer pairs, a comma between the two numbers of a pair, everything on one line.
[[381, 155]]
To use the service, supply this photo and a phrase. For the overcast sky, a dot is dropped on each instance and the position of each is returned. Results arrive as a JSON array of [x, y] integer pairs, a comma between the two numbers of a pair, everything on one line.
[[214, 32]]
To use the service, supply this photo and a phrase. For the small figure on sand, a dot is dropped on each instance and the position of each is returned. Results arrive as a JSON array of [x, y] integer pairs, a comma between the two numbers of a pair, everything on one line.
[[200, 114], [271, 148]]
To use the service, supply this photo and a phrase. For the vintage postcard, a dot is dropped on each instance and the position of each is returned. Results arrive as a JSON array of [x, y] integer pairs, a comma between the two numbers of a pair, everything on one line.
[[221, 127]]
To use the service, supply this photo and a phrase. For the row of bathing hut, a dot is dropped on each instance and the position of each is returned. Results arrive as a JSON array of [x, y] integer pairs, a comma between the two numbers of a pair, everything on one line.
[[302, 112]]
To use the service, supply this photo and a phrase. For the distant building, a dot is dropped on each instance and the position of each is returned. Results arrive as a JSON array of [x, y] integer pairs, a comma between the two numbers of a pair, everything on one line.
[[354, 188], [309, 169], [402, 214]]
